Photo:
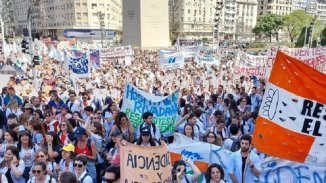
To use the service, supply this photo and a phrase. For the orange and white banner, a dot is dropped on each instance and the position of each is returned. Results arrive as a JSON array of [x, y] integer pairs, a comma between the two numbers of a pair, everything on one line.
[[292, 119], [314, 57], [145, 164]]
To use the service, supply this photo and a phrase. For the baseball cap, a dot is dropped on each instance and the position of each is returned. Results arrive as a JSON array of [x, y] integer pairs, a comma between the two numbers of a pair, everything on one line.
[[80, 131], [24, 132], [69, 148], [145, 131]]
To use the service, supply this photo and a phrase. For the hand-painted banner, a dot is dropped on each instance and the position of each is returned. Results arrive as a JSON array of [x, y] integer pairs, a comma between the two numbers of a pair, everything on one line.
[[95, 58], [201, 153], [190, 51], [314, 57], [171, 59], [283, 171], [116, 52], [247, 65], [292, 118], [145, 164], [165, 109], [207, 55], [79, 66]]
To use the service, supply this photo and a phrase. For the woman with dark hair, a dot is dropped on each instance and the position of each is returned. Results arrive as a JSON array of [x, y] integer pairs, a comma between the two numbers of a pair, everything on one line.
[[233, 108], [37, 130], [214, 174], [53, 145], [40, 174], [212, 138], [146, 138], [10, 139], [27, 151], [38, 116], [188, 131], [190, 119], [65, 131], [123, 124], [12, 167], [78, 119], [108, 112], [43, 156], [67, 177]]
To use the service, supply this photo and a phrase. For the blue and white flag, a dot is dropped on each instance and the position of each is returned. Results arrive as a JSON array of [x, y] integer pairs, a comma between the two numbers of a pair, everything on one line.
[[80, 66], [172, 59], [207, 55]]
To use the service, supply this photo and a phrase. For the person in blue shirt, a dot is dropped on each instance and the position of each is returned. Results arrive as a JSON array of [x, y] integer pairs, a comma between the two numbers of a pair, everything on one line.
[[244, 164], [12, 96]]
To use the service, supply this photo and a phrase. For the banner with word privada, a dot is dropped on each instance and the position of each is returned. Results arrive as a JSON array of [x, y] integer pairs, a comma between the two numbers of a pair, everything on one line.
[[248, 65], [292, 117], [145, 164], [172, 59], [165, 109], [314, 57]]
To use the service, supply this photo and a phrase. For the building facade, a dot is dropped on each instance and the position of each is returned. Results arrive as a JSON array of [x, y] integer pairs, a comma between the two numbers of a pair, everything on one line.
[[84, 18], [246, 19], [7, 17]]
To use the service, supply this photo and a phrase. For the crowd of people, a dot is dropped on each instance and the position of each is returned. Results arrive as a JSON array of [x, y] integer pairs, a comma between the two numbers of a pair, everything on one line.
[[57, 127]]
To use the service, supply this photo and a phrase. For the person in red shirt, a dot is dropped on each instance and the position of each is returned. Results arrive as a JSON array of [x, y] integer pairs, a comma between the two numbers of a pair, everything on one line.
[[51, 124]]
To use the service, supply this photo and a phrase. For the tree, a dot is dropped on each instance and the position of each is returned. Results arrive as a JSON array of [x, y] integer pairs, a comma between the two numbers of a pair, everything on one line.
[[269, 25], [323, 37], [294, 22]]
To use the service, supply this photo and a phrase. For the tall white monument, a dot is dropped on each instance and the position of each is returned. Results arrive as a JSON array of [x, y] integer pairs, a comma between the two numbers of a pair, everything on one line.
[[146, 23]]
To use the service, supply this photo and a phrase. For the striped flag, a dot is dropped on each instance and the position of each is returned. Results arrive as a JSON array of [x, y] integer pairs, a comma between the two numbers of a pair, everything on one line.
[[292, 118]]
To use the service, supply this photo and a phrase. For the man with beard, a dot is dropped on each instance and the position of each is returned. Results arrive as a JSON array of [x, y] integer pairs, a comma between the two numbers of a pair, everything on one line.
[[244, 164]]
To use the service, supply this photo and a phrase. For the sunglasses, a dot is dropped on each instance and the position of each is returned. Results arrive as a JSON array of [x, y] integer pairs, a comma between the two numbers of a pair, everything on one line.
[[96, 118], [78, 165], [210, 136], [99, 113], [145, 135], [108, 180], [37, 171], [40, 156]]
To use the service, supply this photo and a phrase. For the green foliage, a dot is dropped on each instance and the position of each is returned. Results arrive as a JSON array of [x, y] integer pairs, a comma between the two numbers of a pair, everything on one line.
[[269, 25], [300, 40], [323, 37], [257, 45]]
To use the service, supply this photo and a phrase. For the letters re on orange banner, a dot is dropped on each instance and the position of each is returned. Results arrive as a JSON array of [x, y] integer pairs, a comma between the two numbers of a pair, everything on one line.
[[145, 164], [292, 118]]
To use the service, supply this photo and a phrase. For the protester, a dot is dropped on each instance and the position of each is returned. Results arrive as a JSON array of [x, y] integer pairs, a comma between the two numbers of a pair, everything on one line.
[[80, 167], [112, 175], [179, 172], [40, 174], [214, 174], [146, 138], [67, 177]]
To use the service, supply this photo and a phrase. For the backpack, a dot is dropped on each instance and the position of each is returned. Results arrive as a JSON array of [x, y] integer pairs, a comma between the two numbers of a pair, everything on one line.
[[235, 144], [82, 179]]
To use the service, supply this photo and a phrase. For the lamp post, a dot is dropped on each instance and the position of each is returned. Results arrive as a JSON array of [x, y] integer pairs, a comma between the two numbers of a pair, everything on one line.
[[100, 16], [30, 11]]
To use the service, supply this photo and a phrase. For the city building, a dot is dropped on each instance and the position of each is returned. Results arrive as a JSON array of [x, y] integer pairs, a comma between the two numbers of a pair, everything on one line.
[[246, 19], [146, 23], [84, 19], [278, 7], [192, 20], [7, 17]]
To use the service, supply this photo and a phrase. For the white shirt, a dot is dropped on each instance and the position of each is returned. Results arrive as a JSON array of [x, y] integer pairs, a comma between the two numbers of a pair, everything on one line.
[[75, 106], [87, 178]]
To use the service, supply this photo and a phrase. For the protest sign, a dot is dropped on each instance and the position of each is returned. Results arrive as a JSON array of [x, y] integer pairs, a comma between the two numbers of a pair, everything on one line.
[[291, 121], [116, 52], [190, 51], [199, 151], [164, 109], [207, 55], [171, 59], [78, 65], [95, 58], [314, 57], [145, 164], [283, 171], [248, 65]]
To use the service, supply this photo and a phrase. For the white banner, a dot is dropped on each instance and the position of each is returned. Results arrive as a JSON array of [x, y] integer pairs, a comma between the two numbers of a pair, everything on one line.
[[314, 57], [170, 59], [248, 65], [283, 171], [190, 51], [116, 52], [207, 55], [79, 66]]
